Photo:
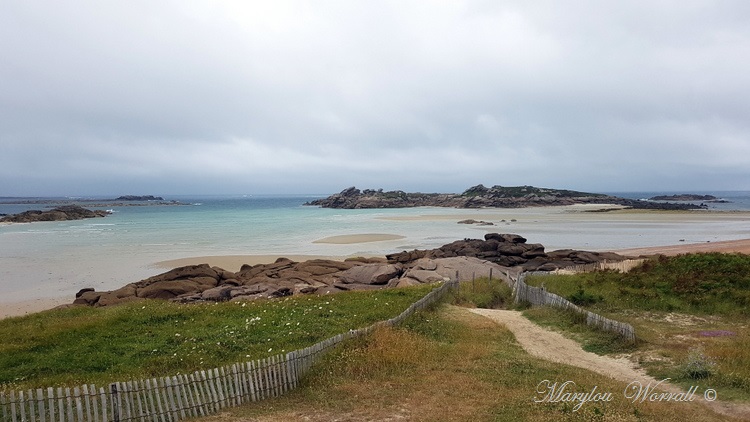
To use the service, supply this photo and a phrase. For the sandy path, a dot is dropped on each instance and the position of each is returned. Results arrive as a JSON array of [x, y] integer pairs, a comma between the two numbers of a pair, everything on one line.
[[552, 346]]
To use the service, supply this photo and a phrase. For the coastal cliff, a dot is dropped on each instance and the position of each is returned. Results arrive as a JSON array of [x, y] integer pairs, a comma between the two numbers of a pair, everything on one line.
[[482, 197]]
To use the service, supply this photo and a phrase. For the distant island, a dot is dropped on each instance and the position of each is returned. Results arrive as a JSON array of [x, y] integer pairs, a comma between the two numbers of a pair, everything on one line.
[[687, 197], [483, 197], [63, 213], [120, 201], [139, 198]]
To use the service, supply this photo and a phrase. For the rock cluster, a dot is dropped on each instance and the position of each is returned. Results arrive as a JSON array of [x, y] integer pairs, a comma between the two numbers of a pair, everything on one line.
[[508, 250], [202, 283], [467, 258], [62, 213], [482, 197]]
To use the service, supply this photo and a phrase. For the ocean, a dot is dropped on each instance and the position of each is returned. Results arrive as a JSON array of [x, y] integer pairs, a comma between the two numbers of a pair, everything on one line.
[[54, 259]]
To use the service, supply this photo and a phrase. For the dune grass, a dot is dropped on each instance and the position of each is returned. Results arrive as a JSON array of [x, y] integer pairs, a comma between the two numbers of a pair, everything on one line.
[[691, 314], [702, 283], [155, 338]]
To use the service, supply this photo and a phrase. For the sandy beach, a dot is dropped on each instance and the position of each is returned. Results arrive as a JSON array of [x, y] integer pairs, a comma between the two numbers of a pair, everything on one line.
[[14, 309]]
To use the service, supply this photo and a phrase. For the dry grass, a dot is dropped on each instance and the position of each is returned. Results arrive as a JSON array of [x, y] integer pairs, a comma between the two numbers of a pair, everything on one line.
[[448, 365], [668, 340]]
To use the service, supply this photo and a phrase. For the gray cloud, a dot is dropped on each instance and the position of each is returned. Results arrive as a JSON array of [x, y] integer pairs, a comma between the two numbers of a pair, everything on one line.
[[236, 97]]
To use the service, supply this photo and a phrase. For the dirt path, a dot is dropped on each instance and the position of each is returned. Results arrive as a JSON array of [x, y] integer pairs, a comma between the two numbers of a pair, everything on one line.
[[552, 346]]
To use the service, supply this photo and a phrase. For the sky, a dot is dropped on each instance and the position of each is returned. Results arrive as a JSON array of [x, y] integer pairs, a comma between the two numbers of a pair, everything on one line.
[[229, 97]]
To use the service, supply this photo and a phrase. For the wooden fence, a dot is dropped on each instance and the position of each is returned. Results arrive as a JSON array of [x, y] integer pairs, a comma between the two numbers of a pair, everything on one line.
[[173, 398], [540, 297], [621, 266]]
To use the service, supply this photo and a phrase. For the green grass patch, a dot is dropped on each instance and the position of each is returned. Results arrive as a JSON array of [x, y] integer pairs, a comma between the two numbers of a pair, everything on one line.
[[483, 293], [156, 338], [592, 339], [704, 283]]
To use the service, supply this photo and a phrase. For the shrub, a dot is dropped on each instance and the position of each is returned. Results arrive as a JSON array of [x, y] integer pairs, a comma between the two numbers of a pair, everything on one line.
[[581, 298], [697, 365]]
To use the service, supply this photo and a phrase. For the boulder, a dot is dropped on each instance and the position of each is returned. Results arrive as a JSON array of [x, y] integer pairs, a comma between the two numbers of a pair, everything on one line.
[[186, 272], [370, 274], [218, 294], [167, 289], [423, 276], [88, 297], [407, 282], [505, 237]]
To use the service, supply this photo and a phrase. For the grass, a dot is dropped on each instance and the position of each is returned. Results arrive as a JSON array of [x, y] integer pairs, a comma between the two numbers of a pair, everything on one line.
[[591, 339], [704, 284], [483, 293], [156, 338], [691, 314], [448, 365]]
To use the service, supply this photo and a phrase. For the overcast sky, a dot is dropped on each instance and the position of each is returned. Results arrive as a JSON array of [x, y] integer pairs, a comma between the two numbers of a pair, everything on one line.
[[180, 97]]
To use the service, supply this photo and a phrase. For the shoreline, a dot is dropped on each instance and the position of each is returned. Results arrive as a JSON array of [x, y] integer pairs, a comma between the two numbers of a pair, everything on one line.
[[234, 262], [725, 246]]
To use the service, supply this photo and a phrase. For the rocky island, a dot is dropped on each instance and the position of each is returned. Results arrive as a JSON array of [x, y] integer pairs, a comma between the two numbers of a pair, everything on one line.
[[483, 197], [120, 201], [139, 198], [62, 213], [687, 197]]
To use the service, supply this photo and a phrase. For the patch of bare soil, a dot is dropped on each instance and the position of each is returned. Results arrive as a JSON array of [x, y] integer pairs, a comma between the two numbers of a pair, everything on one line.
[[552, 346]]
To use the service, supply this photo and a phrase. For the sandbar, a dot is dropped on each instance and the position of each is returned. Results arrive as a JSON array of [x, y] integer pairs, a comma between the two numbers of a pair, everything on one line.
[[348, 239]]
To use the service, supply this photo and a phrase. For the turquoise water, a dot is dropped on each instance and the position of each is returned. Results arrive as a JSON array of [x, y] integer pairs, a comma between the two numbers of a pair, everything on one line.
[[54, 259]]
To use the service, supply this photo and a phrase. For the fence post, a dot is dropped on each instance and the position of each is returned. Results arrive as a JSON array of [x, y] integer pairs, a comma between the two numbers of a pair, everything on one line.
[[115, 402]]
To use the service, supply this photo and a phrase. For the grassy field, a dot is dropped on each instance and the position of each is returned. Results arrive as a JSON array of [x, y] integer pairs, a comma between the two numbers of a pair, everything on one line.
[[691, 314], [154, 338], [449, 365]]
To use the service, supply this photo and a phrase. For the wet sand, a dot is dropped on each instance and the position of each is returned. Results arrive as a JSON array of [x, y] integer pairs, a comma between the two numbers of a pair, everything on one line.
[[26, 307], [349, 239]]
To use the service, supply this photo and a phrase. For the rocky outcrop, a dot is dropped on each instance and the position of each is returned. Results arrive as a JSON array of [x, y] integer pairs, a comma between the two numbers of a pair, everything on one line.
[[467, 258], [507, 250], [482, 197], [62, 213], [683, 197]]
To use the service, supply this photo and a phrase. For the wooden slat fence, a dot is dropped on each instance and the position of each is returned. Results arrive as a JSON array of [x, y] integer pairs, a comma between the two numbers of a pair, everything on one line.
[[540, 297], [621, 266], [174, 398]]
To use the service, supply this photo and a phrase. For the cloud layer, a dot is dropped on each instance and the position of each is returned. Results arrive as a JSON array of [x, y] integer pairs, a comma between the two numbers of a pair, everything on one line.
[[263, 97]]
